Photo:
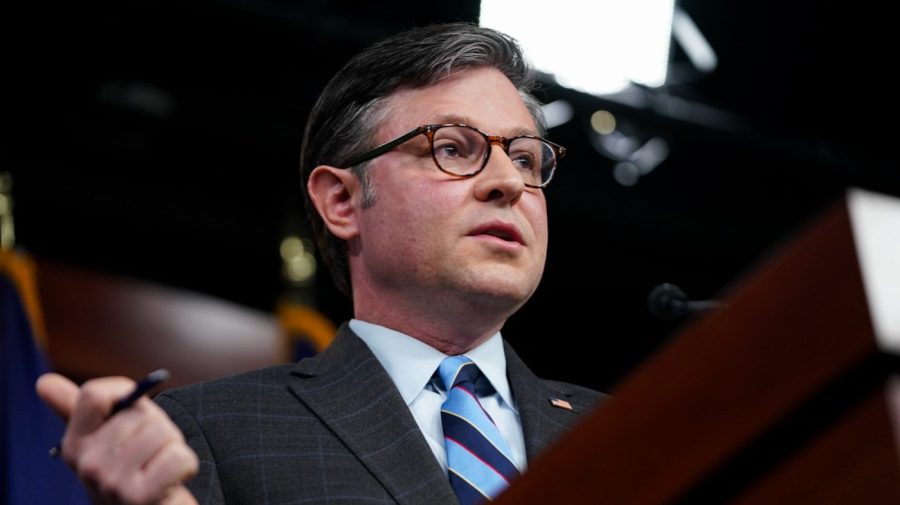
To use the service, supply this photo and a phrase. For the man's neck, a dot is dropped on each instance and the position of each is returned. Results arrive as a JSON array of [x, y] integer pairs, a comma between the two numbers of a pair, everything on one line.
[[450, 339], [448, 333], [448, 321]]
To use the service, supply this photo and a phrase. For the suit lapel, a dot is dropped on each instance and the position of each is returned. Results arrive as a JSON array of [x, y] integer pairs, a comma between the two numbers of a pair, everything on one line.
[[542, 423], [348, 389]]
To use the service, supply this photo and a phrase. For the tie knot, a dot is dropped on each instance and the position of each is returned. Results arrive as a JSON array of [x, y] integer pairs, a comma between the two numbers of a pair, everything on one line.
[[458, 369]]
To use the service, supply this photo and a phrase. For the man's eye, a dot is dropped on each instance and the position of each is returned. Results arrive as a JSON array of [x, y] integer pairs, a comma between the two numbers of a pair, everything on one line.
[[447, 150], [523, 161], [451, 150]]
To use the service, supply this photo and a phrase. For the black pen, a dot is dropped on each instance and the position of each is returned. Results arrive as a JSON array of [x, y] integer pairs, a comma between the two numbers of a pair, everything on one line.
[[152, 380]]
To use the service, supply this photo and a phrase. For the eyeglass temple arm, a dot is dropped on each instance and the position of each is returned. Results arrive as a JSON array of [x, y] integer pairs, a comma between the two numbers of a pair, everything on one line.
[[383, 148], [560, 150]]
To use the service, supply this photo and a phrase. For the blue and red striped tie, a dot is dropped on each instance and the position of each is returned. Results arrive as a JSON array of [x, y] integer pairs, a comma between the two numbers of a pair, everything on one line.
[[478, 458]]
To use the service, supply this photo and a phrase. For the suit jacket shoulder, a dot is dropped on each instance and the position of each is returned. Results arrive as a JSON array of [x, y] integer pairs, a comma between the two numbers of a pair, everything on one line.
[[330, 429]]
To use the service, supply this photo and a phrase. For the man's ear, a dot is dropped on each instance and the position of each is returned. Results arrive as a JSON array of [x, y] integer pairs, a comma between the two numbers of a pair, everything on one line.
[[334, 192]]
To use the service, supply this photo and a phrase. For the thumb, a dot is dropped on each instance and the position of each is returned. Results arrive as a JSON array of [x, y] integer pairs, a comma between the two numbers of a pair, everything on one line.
[[58, 392]]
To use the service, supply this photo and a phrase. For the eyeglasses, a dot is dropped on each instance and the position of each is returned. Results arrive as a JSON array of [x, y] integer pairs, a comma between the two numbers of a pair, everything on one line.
[[463, 151]]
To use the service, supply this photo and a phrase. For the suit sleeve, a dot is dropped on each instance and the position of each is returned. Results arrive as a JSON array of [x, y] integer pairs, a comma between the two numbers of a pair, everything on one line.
[[205, 486]]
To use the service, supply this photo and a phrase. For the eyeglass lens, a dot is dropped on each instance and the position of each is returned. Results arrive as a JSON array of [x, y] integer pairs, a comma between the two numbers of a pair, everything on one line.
[[462, 151]]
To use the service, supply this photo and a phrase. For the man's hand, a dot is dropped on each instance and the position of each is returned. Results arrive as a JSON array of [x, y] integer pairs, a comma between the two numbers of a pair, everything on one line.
[[137, 456]]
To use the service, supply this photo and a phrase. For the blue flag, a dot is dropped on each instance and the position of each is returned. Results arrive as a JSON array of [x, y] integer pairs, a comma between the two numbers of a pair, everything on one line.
[[28, 476]]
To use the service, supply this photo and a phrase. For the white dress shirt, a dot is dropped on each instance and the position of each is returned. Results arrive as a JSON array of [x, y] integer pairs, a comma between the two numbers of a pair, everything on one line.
[[411, 364]]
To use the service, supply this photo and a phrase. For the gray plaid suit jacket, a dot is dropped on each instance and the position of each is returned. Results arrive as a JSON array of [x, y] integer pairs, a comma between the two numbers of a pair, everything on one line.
[[334, 429]]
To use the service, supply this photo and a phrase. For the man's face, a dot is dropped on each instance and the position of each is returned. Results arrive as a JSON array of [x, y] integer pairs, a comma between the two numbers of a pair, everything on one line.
[[445, 243]]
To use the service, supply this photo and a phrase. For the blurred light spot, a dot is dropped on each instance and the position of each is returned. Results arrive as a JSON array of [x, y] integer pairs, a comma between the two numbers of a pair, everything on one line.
[[557, 112], [640, 161], [298, 261], [650, 155], [291, 246], [300, 268], [616, 145], [695, 45], [626, 173], [603, 122]]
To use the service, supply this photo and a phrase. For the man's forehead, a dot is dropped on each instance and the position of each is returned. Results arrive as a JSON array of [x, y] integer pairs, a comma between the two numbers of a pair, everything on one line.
[[455, 118], [496, 113]]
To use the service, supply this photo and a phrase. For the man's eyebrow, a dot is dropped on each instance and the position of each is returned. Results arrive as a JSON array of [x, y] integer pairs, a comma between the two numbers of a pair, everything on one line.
[[462, 119], [453, 119]]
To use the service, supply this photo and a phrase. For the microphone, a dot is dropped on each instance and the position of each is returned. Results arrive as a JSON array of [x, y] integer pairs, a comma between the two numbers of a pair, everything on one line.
[[669, 302]]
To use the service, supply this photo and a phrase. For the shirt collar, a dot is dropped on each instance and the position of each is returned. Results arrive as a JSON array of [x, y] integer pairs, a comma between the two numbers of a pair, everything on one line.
[[410, 363]]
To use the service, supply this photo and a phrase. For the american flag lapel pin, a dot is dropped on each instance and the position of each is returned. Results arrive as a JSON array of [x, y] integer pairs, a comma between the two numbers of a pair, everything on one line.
[[561, 404]]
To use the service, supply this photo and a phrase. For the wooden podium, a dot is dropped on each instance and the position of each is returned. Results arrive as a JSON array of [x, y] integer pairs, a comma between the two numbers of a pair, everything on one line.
[[790, 395]]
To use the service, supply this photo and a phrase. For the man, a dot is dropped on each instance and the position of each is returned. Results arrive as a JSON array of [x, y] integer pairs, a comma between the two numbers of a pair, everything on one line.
[[424, 171]]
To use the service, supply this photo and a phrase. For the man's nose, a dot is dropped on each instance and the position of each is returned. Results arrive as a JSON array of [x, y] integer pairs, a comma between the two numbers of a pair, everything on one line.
[[500, 180]]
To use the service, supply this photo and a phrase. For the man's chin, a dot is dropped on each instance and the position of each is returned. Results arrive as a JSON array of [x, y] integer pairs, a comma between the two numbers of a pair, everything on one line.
[[501, 292]]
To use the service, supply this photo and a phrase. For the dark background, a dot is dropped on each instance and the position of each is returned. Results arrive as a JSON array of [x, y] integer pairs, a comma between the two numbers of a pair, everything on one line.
[[159, 140]]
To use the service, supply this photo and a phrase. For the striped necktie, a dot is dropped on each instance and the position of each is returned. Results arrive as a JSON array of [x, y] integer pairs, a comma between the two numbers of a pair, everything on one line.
[[478, 458]]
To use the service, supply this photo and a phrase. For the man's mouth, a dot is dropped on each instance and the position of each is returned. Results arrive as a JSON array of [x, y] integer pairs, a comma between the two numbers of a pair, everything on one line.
[[502, 234], [503, 231]]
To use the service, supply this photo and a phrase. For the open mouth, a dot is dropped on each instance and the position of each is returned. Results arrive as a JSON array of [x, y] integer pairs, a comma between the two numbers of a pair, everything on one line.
[[504, 232], [501, 234]]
